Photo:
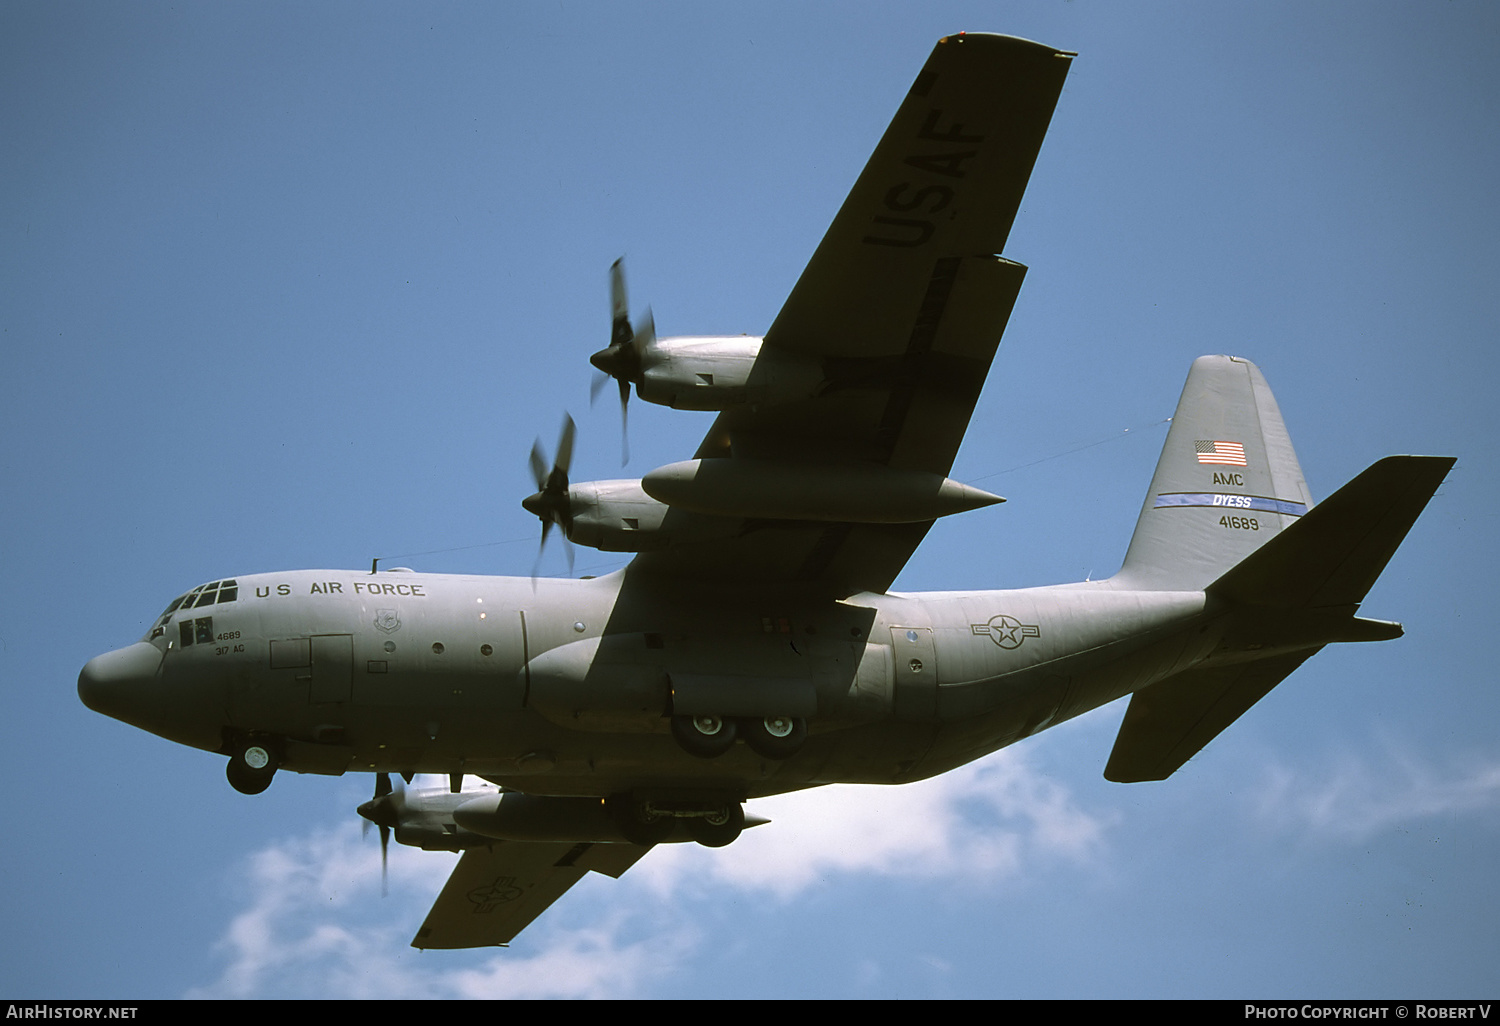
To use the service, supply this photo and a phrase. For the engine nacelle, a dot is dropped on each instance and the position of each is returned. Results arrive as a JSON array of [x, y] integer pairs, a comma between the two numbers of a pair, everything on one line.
[[424, 817], [514, 816], [719, 373], [778, 490], [615, 516]]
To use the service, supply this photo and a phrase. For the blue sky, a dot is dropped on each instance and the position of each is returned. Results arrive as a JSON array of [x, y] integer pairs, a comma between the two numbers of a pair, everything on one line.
[[295, 285]]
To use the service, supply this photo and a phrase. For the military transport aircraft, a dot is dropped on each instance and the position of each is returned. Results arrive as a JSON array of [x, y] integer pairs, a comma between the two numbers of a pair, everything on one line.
[[752, 647]]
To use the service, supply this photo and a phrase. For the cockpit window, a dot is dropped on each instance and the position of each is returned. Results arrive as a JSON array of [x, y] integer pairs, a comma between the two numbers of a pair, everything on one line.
[[218, 591], [203, 595], [160, 626]]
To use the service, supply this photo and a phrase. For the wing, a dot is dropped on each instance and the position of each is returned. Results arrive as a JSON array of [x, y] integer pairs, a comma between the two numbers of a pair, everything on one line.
[[903, 305], [945, 181], [495, 892]]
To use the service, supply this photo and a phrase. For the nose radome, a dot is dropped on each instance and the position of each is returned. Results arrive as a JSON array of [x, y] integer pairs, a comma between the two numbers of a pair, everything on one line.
[[111, 683]]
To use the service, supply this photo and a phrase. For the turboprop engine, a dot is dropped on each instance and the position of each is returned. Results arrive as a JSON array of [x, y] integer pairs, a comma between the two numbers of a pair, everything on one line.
[[710, 372], [714, 373], [632, 515], [444, 819], [616, 516]]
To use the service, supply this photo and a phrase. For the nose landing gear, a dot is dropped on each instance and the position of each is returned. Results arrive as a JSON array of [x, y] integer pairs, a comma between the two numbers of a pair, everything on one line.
[[252, 765]]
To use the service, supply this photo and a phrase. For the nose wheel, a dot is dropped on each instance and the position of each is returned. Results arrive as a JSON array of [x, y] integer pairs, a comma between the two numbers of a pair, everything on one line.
[[251, 767]]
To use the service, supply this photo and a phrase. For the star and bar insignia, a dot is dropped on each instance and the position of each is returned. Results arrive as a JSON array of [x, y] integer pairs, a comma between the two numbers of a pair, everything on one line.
[[1007, 631]]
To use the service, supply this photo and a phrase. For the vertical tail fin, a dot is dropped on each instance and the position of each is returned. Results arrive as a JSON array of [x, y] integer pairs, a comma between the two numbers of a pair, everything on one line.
[[1229, 512], [1227, 482], [1293, 595]]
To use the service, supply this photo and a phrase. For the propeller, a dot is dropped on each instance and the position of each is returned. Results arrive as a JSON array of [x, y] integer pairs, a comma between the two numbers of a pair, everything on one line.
[[384, 810], [551, 503], [624, 359]]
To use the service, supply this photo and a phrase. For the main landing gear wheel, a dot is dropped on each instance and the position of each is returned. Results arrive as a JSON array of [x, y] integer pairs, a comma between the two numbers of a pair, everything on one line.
[[251, 767], [775, 737], [707, 737], [718, 828]]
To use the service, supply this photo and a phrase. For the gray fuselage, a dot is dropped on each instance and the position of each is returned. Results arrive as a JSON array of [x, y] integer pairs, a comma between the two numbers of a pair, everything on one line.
[[566, 686]]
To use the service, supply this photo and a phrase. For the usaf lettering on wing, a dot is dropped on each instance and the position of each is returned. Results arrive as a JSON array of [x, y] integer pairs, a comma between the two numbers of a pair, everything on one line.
[[924, 197]]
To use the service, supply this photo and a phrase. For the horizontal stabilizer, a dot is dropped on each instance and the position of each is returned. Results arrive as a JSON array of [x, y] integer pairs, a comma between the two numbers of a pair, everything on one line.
[[1169, 722], [1333, 554]]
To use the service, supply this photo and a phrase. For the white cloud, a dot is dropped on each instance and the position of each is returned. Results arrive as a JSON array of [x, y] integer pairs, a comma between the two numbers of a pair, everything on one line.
[[306, 895], [1359, 796], [580, 963], [317, 927], [991, 819]]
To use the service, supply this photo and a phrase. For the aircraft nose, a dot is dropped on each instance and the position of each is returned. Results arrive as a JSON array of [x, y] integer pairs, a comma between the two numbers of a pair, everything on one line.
[[111, 683]]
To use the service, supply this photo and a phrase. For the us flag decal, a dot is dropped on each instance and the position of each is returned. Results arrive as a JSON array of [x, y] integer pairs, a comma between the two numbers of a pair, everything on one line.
[[1230, 453]]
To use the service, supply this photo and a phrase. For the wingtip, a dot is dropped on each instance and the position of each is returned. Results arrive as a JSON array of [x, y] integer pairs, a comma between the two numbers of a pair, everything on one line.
[[1000, 38]]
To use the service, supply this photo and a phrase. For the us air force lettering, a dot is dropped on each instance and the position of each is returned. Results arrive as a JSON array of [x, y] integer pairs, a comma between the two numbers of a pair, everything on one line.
[[752, 645]]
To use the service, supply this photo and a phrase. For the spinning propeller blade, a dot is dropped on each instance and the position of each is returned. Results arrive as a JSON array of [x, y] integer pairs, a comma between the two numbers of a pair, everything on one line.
[[625, 358], [384, 810], [551, 503]]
